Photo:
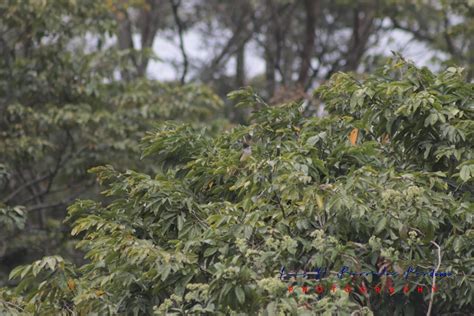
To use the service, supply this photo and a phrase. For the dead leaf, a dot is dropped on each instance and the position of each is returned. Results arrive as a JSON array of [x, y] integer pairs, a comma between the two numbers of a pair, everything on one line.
[[71, 284], [353, 136]]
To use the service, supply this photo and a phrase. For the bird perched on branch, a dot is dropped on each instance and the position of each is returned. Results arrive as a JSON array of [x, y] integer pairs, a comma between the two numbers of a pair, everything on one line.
[[246, 152]]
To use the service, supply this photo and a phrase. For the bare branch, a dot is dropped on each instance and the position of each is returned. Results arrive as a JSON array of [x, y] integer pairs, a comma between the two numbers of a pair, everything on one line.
[[57, 204], [241, 36], [418, 34], [179, 24], [434, 279], [24, 186]]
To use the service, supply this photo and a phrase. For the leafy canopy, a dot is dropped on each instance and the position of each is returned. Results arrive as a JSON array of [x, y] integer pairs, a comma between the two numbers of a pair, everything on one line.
[[62, 111], [210, 230]]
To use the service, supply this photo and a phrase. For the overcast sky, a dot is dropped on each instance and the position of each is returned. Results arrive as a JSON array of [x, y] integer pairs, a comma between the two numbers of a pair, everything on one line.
[[168, 51]]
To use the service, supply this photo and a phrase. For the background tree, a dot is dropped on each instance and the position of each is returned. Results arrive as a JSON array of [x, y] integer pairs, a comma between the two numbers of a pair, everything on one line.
[[299, 43], [62, 112], [349, 28]]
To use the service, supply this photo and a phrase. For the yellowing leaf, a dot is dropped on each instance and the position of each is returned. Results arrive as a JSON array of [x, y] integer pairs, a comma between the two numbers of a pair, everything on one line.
[[71, 284], [99, 292], [353, 136], [320, 202]]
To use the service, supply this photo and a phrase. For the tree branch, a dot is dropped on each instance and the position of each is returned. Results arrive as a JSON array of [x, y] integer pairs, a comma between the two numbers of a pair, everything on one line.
[[239, 37], [434, 279], [175, 5], [416, 33], [24, 186], [61, 203]]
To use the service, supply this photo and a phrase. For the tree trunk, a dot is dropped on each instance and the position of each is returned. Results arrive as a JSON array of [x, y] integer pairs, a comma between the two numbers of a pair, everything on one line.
[[269, 73], [240, 67], [125, 41], [361, 31], [148, 28], [311, 7]]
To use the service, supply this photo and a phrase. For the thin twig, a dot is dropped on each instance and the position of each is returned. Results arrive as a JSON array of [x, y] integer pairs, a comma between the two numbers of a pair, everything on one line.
[[433, 284]]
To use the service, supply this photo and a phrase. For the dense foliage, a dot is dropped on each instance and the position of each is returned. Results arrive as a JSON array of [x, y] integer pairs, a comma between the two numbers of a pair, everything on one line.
[[198, 220], [383, 181], [63, 111]]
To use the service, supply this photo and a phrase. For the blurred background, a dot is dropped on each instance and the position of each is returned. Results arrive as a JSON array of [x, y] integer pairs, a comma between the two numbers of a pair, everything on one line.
[[296, 45], [82, 81]]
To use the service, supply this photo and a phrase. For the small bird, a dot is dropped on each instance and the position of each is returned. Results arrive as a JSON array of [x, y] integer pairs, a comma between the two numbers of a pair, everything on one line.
[[246, 152]]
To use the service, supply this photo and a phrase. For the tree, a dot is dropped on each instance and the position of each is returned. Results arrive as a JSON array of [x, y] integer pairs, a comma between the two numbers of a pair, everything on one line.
[[145, 17], [63, 112], [444, 26], [301, 43], [210, 231]]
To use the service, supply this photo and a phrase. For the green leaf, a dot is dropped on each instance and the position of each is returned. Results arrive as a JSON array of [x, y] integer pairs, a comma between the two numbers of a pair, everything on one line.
[[381, 225], [210, 251], [467, 172], [239, 292], [166, 269]]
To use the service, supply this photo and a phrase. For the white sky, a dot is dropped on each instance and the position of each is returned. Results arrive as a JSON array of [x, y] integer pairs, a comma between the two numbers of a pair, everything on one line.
[[168, 52]]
